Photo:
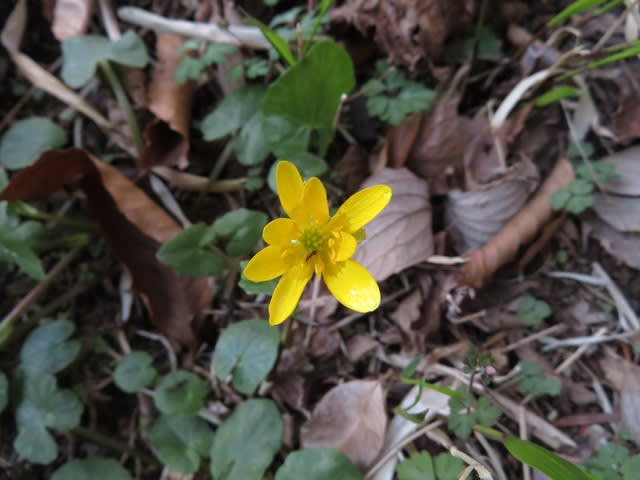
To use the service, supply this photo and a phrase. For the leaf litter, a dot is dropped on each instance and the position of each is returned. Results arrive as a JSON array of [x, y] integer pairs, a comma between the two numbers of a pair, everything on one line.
[[463, 185]]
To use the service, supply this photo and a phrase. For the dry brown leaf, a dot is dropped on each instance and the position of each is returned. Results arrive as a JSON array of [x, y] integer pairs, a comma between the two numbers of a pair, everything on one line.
[[70, 17], [408, 311], [621, 245], [133, 225], [625, 120], [475, 216], [627, 169], [360, 345], [400, 236], [625, 377], [622, 213], [167, 138], [522, 228], [350, 417], [408, 30], [11, 38]]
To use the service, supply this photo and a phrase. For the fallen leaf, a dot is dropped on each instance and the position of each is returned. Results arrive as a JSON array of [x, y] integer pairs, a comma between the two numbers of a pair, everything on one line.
[[625, 377], [475, 216], [408, 311], [167, 138], [351, 418], [408, 30], [11, 38], [622, 213], [522, 228], [627, 170], [400, 236], [360, 345], [133, 225], [625, 120], [71, 17], [624, 246]]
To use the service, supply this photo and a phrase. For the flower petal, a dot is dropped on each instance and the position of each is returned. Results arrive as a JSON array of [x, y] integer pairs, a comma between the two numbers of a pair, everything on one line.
[[280, 232], [314, 201], [265, 265], [288, 292], [361, 207], [342, 246], [353, 286], [289, 185]]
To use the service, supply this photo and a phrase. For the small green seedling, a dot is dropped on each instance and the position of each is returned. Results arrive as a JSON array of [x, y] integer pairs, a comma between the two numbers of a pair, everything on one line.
[[392, 96], [532, 312], [532, 380]]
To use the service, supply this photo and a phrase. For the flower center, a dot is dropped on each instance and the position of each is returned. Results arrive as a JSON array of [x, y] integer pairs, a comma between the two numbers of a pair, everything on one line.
[[311, 240]]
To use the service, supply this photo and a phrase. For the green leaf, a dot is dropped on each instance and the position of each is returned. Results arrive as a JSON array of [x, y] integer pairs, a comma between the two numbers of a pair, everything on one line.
[[555, 467], [250, 144], [43, 406], [488, 45], [245, 444], [243, 228], [188, 252], [419, 466], [48, 349], [579, 203], [318, 464], [4, 391], [12, 250], [246, 352], [486, 412], [134, 372], [217, 53], [306, 99], [531, 311], [91, 468], [600, 171], [630, 468], [276, 41], [534, 382], [257, 288], [308, 164], [580, 186], [189, 68], [556, 94], [180, 392], [559, 199], [26, 139], [180, 441], [631, 51], [448, 467], [232, 113], [576, 7], [81, 55], [255, 67]]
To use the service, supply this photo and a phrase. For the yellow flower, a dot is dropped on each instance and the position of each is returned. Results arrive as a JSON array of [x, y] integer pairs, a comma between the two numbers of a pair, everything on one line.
[[310, 240]]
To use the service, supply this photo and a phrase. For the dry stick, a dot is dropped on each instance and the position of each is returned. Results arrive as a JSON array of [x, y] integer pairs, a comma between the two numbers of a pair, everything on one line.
[[109, 442], [542, 333], [35, 293], [196, 183], [240, 35], [578, 353]]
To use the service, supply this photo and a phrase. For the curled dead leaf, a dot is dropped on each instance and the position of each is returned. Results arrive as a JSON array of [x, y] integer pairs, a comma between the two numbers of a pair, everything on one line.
[[400, 236], [167, 138], [522, 228], [475, 216], [625, 377], [133, 225], [350, 417]]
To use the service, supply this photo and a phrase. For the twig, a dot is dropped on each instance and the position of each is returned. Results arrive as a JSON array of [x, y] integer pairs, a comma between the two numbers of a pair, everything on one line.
[[241, 35], [197, 183], [38, 290], [165, 343], [628, 318], [577, 354]]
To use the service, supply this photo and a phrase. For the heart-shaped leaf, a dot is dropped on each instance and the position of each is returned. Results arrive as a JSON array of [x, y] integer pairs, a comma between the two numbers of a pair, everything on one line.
[[180, 441], [318, 464], [246, 442], [246, 352], [134, 372], [48, 349], [81, 55], [180, 392], [23, 143]]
